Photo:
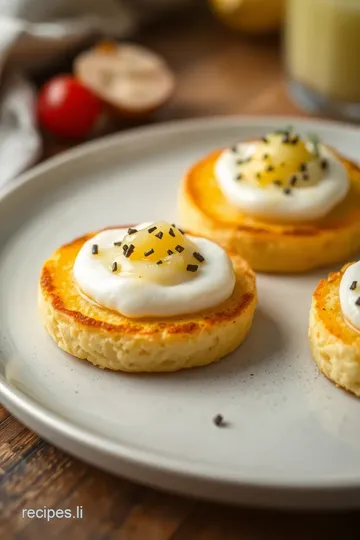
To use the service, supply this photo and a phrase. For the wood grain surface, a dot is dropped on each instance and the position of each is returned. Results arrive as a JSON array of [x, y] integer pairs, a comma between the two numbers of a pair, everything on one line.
[[218, 72]]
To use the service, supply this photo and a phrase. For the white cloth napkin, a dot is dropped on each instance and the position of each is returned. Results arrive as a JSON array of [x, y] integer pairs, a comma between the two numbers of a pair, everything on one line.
[[32, 34]]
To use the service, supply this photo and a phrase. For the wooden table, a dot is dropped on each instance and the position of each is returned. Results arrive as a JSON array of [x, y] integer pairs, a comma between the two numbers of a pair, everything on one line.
[[218, 73]]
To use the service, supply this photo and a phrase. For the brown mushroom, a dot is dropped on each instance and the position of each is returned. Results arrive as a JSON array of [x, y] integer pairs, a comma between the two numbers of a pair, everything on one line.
[[133, 80]]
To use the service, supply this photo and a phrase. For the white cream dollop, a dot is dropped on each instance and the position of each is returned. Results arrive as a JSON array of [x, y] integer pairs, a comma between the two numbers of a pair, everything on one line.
[[133, 296], [295, 203], [350, 294]]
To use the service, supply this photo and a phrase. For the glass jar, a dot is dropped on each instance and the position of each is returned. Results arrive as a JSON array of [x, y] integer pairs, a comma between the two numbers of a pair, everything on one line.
[[322, 54]]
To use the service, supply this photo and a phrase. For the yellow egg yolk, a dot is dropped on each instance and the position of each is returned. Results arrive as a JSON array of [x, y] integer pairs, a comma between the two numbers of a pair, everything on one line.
[[282, 159], [160, 253]]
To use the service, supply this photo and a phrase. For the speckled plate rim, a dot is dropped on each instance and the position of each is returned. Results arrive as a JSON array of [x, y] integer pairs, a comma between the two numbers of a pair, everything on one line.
[[150, 467]]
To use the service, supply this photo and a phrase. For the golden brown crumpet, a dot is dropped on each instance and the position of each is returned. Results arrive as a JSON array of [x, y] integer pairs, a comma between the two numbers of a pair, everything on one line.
[[109, 340], [270, 247], [334, 343]]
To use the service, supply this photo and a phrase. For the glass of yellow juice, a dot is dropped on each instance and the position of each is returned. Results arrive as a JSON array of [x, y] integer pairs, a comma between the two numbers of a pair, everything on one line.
[[322, 55]]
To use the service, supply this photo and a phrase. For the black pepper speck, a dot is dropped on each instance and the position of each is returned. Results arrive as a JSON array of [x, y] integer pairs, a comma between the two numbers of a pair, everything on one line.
[[218, 420]]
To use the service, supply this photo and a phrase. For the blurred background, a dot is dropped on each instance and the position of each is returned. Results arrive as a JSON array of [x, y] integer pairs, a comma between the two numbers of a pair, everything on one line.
[[73, 70]]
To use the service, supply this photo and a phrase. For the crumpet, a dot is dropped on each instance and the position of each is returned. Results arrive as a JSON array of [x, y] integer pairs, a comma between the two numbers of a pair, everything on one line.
[[110, 340]]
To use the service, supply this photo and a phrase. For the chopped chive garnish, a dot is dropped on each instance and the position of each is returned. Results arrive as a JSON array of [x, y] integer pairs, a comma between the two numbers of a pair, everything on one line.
[[234, 149], [171, 232], [258, 175], [283, 131], [132, 231], [239, 177], [277, 182], [159, 235], [95, 249], [198, 256], [303, 167], [129, 251], [295, 140], [181, 231], [117, 244], [149, 252], [125, 248], [305, 176], [114, 267], [314, 139], [179, 249], [293, 180], [169, 252], [269, 168], [264, 139], [324, 164], [192, 267], [159, 262], [287, 191], [265, 156], [353, 286], [358, 301], [152, 229]]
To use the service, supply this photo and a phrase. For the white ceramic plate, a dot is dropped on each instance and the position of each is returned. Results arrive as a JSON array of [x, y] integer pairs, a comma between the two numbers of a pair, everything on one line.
[[293, 438]]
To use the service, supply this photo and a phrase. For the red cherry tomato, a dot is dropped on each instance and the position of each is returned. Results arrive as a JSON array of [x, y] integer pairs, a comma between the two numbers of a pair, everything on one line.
[[66, 108]]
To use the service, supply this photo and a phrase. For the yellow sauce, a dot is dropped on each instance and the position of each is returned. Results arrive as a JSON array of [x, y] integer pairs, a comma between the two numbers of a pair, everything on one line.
[[159, 253], [277, 157]]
